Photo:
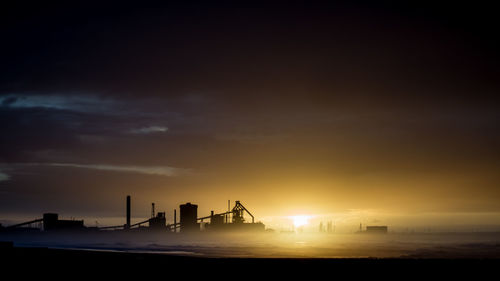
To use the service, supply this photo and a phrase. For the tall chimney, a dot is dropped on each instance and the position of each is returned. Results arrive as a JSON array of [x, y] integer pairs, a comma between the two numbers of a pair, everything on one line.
[[228, 209], [127, 226], [175, 220]]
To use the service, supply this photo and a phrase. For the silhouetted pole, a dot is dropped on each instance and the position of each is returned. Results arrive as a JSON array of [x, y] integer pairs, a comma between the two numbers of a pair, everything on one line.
[[228, 208], [127, 226], [175, 220]]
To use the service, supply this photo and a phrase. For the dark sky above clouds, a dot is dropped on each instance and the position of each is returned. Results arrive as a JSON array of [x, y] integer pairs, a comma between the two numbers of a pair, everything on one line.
[[290, 107]]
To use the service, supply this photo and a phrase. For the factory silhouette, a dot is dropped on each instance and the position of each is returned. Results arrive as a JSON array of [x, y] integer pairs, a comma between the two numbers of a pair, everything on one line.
[[231, 220]]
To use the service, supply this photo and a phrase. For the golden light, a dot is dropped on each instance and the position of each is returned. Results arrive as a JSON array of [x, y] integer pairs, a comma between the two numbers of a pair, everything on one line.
[[299, 221]]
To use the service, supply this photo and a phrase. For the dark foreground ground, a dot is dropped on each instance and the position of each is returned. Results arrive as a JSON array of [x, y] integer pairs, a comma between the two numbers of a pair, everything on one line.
[[79, 264]]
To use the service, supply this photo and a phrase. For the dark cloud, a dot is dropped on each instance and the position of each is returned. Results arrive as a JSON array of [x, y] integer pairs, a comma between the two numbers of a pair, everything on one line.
[[242, 55], [9, 100]]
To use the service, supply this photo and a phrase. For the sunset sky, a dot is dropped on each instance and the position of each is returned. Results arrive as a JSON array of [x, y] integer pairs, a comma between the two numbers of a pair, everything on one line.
[[384, 113]]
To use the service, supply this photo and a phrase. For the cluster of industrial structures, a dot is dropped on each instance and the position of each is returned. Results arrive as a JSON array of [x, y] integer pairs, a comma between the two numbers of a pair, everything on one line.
[[231, 220], [330, 228]]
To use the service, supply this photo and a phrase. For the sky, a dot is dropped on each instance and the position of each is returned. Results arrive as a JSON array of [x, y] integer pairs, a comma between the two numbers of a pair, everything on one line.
[[355, 112]]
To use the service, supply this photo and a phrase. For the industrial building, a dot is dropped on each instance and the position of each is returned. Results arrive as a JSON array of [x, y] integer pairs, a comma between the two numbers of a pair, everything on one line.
[[382, 229], [158, 222], [233, 220], [51, 222], [189, 217]]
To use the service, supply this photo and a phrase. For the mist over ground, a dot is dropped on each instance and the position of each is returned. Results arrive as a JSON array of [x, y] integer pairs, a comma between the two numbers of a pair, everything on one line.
[[275, 245]]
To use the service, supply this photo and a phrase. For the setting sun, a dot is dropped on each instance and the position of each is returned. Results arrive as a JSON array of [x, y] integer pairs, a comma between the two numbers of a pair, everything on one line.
[[299, 221]]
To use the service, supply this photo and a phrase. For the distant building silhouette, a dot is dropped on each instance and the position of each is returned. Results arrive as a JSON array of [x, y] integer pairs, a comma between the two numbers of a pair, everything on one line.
[[329, 227], [377, 229], [159, 222], [51, 222], [189, 217]]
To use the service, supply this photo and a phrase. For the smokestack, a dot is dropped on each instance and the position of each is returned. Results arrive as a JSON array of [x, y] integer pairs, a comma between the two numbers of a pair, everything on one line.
[[228, 209], [152, 210], [175, 220], [127, 226]]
